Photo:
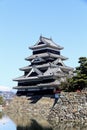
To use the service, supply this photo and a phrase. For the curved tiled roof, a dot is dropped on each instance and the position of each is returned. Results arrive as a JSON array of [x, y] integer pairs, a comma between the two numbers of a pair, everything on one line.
[[46, 42], [49, 54]]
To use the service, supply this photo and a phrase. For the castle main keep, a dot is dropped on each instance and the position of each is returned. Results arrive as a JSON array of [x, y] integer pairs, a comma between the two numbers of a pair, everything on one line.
[[46, 70]]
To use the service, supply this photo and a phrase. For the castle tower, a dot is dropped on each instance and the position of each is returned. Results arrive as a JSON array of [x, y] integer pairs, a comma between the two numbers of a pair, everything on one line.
[[46, 70]]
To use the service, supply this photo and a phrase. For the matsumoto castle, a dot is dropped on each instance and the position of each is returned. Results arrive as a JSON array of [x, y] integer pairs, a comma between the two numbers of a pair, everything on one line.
[[46, 70]]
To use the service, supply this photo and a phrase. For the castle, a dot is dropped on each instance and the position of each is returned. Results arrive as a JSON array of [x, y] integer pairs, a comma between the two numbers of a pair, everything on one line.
[[46, 70]]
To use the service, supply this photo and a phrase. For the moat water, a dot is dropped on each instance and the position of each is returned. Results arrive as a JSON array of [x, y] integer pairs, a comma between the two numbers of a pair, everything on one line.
[[21, 123]]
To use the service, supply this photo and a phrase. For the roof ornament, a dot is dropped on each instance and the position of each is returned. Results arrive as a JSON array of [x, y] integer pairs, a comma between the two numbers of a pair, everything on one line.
[[40, 37], [51, 38]]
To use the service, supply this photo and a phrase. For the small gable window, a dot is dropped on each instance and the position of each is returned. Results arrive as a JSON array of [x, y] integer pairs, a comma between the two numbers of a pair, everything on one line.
[[59, 64], [33, 74], [40, 43]]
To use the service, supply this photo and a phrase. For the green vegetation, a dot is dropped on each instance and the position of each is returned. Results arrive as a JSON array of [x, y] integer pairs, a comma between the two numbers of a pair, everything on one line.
[[79, 80], [1, 114], [1, 100], [1, 103]]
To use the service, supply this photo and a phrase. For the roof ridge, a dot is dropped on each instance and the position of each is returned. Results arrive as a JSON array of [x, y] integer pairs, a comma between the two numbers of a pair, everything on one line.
[[46, 38]]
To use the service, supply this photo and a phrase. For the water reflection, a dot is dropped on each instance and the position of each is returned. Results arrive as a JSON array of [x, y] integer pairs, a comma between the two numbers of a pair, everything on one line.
[[35, 125], [24, 122], [6, 123]]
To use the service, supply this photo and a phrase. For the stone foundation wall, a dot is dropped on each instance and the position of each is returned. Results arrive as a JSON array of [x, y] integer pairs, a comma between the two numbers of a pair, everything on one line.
[[29, 107], [70, 107]]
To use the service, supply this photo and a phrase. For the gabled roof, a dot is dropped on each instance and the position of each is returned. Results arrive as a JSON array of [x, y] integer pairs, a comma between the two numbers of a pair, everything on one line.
[[37, 60], [45, 42], [28, 76], [34, 69], [53, 72], [58, 61]]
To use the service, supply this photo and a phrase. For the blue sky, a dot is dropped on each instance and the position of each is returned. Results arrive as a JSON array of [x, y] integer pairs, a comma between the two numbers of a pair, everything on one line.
[[23, 21]]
